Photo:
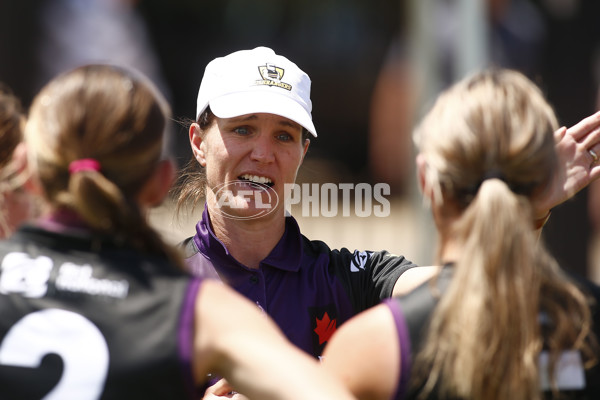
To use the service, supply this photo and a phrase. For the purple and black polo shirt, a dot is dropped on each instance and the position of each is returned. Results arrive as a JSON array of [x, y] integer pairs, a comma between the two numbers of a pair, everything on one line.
[[304, 286]]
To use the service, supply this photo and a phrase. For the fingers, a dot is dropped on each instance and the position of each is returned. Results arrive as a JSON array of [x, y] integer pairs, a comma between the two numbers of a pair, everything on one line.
[[229, 395], [592, 139], [586, 126], [560, 133], [221, 388], [594, 172], [594, 153], [586, 134], [594, 162], [592, 144]]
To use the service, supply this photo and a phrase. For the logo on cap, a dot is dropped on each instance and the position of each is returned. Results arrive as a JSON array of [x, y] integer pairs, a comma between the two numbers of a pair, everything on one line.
[[271, 76]]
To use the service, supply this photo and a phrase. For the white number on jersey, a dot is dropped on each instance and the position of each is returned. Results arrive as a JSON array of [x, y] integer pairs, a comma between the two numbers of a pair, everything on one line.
[[74, 338]]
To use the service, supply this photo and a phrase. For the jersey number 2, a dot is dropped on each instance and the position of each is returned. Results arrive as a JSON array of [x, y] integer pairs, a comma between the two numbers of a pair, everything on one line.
[[74, 338]]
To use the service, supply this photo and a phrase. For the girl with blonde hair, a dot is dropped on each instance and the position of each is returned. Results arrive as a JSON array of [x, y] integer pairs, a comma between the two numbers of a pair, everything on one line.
[[500, 320]]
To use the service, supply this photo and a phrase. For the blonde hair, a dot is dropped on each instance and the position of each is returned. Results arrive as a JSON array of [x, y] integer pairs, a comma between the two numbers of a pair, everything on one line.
[[488, 146], [115, 117]]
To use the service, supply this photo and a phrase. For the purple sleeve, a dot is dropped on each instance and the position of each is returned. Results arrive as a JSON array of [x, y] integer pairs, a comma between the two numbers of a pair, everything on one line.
[[186, 333], [405, 347]]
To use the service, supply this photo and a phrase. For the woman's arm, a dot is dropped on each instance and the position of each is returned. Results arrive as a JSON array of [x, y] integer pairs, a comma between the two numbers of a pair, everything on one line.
[[235, 340], [364, 354]]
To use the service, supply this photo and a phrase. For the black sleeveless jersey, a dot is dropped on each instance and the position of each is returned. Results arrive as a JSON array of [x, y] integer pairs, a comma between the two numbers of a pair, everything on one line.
[[86, 318], [413, 311]]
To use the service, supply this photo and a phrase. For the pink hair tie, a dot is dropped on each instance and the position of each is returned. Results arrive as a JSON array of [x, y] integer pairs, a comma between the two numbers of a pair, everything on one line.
[[85, 164]]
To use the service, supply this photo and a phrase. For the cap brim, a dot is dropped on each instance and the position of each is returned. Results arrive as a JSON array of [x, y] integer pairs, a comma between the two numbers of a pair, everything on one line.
[[242, 103]]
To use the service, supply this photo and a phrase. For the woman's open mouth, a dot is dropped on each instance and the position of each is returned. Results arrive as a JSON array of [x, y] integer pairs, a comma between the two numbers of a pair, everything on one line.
[[259, 181]]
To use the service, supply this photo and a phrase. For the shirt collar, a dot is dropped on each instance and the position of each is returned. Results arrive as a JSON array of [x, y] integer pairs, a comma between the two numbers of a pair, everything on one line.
[[286, 255]]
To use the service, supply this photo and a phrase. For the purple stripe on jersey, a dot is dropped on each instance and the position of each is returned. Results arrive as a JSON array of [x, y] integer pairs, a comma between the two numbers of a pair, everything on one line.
[[186, 333], [405, 347]]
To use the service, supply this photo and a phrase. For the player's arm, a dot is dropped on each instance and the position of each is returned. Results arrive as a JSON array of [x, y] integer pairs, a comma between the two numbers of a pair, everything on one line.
[[364, 354]]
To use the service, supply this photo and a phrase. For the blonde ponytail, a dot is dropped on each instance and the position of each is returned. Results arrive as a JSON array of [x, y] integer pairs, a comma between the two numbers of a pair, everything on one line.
[[484, 339], [488, 148]]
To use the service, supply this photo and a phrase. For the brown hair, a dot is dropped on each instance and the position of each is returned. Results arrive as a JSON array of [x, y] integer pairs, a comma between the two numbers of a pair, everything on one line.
[[115, 117], [488, 145], [191, 184]]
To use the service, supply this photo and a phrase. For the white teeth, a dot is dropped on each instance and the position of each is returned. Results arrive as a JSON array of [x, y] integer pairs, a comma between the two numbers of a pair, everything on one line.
[[256, 178]]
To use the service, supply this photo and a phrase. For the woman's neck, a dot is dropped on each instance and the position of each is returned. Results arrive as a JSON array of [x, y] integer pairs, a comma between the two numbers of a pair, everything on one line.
[[449, 250], [248, 241]]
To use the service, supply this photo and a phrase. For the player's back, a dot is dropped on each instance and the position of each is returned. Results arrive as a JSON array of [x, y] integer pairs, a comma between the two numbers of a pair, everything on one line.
[[86, 318]]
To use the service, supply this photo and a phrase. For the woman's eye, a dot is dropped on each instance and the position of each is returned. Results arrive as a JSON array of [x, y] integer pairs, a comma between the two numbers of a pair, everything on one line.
[[242, 130], [285, 137]]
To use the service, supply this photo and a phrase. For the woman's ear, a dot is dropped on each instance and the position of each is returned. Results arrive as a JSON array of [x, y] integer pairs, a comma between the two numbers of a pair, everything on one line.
[[22, 168], [306, 144], [158, 185], [422, 178], [197, 143]]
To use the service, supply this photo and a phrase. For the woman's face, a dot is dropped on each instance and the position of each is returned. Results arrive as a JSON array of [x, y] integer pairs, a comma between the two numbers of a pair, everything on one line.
[[248, 161]]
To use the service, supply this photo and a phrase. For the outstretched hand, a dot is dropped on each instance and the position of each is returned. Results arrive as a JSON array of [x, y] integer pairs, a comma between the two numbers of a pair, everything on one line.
[[578, 149]]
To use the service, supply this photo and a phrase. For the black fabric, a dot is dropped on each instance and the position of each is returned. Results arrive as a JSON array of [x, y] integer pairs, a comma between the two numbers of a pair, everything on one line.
[[367, 276], [418, 306], [77, 288]]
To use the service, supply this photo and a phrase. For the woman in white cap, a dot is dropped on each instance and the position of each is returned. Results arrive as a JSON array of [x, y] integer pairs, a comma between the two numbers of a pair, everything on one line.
[[251, 134], [501, 320], [94, 304], [253, 128]]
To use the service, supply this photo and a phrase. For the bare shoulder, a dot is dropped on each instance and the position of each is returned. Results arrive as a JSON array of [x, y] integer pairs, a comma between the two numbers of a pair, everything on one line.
[[364, 354], [412, 278]]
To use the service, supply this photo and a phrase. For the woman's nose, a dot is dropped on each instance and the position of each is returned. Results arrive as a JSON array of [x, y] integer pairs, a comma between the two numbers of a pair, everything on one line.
[[263, 150]]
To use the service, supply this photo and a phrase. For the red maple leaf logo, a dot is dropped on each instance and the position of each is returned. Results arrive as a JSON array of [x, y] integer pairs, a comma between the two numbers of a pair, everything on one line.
[[325, 328]]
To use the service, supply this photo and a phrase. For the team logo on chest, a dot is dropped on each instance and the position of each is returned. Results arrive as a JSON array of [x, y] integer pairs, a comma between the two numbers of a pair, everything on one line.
[[324, 321]]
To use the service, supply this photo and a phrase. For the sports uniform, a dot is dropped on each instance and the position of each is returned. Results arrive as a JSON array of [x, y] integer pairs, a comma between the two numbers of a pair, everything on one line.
[[304, 286], [86, 317], [412, 312]]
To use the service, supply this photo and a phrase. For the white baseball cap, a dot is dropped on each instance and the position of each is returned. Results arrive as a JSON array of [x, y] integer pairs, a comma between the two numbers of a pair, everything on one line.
[[256, 81]]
